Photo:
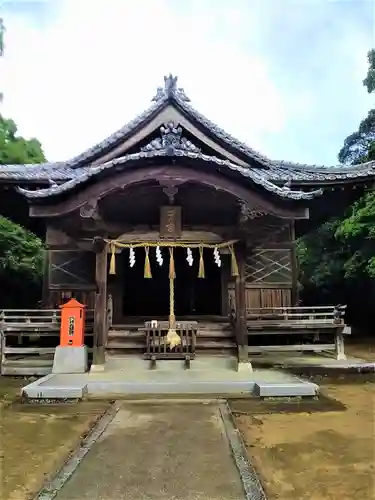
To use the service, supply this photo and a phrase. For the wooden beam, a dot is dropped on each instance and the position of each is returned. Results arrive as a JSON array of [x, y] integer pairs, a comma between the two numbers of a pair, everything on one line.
[[294, 265], [100, 314], [240, 298], [225, 279], [46, 296], [105, 186]]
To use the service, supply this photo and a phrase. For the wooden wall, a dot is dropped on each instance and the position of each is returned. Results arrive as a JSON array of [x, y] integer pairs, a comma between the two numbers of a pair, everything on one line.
[[69, 271], [271, 270]]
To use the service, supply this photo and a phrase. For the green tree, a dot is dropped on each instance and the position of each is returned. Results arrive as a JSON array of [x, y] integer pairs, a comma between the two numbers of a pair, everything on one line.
[[14, 149], [21, 265], [369, 81], [338, 258], [359, 147], [2, 31], [20, 250]]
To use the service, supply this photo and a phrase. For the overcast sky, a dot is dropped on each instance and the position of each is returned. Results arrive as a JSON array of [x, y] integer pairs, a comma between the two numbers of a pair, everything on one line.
[[285, 76]]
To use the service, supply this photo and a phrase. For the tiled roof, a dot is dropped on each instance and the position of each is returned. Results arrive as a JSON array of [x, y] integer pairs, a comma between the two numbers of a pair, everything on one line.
[[43, 172], [169, 93], [273, 171], [299, 172], [256, 176], [278, 172]]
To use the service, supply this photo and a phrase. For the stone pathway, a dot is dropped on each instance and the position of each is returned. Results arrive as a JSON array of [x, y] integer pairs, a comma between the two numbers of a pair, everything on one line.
[[159, 451]]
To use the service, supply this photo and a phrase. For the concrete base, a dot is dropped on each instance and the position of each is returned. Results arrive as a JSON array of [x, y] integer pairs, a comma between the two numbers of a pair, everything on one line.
[[244, 366], [131, 377], [286, 389], [341, 357], [70, 360], [97, 368], [52, 387]]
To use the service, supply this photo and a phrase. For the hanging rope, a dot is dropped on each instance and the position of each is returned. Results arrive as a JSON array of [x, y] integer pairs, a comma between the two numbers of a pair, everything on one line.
[[172, 269], [113, 244], [112, 262], [201, 263], [147, 269], [173, 339], [234, 265]]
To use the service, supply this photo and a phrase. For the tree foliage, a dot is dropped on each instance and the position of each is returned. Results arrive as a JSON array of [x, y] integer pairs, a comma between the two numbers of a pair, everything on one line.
[[337, 260], [20, 250], [15, 149], [359, 147], [369, 81]]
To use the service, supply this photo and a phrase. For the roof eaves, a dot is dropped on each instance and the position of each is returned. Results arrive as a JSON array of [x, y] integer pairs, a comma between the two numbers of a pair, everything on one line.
[[36, 172], [253, 175], [282, 170]]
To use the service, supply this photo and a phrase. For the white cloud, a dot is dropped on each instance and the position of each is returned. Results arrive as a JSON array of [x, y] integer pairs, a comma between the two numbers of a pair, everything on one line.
[[97, 64]]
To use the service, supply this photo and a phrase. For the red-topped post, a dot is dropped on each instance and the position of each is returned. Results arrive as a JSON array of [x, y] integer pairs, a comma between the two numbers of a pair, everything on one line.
[[72, 330], [71, 354]]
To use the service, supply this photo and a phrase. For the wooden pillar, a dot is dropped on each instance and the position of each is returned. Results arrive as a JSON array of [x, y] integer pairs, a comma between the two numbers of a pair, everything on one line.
[[240, 298], [46, 294], [224, 277], [294, 265], [100, 313]]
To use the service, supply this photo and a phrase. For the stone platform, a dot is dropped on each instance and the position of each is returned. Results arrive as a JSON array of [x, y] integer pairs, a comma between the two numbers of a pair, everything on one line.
[[311, 363], [131, 377]]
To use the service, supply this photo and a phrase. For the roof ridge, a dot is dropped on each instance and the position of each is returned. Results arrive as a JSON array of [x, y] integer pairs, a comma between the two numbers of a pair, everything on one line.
[[169, 93], [230, 139]]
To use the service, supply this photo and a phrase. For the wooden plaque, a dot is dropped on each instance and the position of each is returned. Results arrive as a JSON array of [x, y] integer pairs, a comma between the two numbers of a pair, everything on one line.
[[170, 222]]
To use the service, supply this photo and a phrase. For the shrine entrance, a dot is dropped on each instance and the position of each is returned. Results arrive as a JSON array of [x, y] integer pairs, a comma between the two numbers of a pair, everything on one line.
[[149, 298]]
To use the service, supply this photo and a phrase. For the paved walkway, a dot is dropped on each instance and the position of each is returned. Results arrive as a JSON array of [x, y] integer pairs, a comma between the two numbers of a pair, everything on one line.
[[160, 451]]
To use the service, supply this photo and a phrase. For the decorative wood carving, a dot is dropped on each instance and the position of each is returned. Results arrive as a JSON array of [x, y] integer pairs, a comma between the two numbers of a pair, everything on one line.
[[90, 210], [56, 237], [170, 222], [171, 192], [247, 213], [171, 139]]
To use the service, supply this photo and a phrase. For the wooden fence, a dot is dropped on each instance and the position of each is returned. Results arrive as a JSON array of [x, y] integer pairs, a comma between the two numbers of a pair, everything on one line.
[[29, 337], [156, 341], [320, 328]]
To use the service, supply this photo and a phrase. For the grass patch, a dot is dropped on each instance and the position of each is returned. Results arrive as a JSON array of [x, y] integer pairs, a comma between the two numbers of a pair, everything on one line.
[[315, 455], [36, 440]]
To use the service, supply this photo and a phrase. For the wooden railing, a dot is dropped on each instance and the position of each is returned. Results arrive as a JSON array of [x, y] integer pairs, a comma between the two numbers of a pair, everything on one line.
[[297, 315], [310, 323], [156, 341], [29, 338]]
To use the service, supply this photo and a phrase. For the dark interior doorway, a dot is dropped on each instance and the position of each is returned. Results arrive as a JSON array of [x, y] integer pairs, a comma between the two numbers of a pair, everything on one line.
[[149, 297]]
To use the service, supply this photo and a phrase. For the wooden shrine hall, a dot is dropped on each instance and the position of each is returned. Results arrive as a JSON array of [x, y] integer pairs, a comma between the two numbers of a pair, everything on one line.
[[181, 238]]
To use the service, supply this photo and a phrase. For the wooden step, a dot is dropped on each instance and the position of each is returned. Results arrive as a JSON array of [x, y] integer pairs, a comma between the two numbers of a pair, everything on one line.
[[127, 326], [201, 343], [125, 334], [220, 344], [215, 334], [126, 345]]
